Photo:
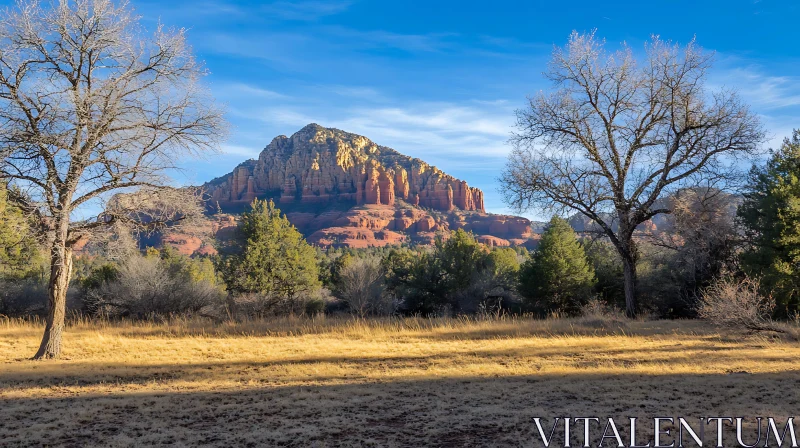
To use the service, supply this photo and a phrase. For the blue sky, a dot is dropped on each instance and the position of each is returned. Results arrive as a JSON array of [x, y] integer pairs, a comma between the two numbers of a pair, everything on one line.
[[440, 80]]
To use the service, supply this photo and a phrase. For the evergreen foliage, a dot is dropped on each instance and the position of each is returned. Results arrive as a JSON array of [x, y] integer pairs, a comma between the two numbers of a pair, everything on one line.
[[271, 256], [458, 275], [607, 266], [439, 278], [558, 277], [19, 252], [504, 263], [770, 216]]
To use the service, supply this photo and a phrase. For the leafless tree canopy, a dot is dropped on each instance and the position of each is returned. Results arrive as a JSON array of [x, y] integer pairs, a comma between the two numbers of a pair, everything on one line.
[[92, 105], [615, 136], [362, 287]]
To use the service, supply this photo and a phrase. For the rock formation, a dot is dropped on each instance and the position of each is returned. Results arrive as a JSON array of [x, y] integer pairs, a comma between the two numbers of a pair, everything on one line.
[[341, 189], [321, 165], [381, 225]]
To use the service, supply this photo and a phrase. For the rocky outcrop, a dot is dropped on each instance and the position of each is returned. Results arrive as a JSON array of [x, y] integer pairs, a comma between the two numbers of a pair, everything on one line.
[[322, 165], [493, 241], [341, 189], [383, 224], [368, 225], [195, 239]]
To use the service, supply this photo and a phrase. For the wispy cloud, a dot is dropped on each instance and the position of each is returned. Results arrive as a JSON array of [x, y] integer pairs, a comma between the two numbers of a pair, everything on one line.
[[773, 95], [779, 127], [241, 151], [443, 118], [247, 90], [330, 45], [359, 92], [311, 11], [766, 92], [438, 130], [286, 10], [366, 39]]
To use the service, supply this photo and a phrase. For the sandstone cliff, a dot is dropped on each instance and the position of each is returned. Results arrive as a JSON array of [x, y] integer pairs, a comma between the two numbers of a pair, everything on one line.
[[341, 189], [319, 165]]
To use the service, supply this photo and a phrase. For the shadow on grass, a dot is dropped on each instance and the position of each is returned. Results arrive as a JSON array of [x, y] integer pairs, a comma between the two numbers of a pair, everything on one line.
[[443, 412], [354, 366]]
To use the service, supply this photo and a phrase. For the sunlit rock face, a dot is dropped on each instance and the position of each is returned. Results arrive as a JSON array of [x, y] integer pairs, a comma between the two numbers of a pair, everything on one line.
[[323, 165], [341, 189]]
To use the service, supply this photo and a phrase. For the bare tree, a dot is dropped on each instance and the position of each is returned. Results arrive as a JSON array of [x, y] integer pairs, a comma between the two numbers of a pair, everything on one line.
[[91, 105], [614, 137], [361, 286]]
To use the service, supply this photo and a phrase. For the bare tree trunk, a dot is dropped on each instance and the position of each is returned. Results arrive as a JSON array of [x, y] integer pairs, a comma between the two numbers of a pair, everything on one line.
[[629, 270], [60, 274], [627, 250]]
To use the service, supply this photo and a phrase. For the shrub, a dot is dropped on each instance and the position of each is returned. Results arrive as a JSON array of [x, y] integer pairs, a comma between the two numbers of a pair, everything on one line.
[[504, 264], [145, 286], [442, 280], [361, 285], [23, 297], [314, 307], [248, 305], [458, 275], [738, 305], [599, 314]]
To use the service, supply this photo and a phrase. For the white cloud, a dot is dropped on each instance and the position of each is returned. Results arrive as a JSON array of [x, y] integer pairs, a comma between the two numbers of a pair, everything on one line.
[[246, 90], [775, 96], [311, 10], [366, 39], [765, 92], [419, 130], [241, 151], [360, 92], [445, 118], [327, 44], [285, 116], [293, 10], [779, 127]]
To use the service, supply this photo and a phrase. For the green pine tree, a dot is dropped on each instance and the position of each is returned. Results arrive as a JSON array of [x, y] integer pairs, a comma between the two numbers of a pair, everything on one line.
[[272, 256], [504, 265], [770, 215], [431, 281], [558, 277], [460, 256], [19, 253]]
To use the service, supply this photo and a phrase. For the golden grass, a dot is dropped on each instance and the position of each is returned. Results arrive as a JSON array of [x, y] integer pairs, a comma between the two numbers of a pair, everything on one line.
[[390, 382]]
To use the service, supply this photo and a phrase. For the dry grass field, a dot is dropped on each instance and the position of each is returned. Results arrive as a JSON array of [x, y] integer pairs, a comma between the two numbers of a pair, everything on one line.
[[413, 382]]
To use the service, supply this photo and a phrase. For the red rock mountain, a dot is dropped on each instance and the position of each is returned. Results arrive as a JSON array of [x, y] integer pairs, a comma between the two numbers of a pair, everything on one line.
[[341, 189], [318, 165]]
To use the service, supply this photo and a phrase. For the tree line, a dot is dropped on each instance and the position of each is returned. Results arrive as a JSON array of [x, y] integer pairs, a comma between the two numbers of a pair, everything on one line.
[[269, 269]]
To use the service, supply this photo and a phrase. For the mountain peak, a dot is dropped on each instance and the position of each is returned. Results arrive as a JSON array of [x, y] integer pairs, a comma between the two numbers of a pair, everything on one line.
[[319, 165], [311, 128]]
